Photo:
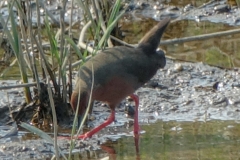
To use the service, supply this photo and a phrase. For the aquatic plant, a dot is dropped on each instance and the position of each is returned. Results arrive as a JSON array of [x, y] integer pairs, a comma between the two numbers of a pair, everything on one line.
[[51, 65]]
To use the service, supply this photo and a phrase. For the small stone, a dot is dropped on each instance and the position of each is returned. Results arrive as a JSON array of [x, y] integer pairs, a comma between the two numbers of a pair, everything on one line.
[[178, 67]]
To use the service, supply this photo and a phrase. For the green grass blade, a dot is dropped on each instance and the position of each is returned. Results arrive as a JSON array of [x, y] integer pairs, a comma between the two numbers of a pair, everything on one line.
[[75, 47], [52, 40], [109, 30]]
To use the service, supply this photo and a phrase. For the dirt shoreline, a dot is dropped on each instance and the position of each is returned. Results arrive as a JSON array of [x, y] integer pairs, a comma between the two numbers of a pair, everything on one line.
[[182, 91]]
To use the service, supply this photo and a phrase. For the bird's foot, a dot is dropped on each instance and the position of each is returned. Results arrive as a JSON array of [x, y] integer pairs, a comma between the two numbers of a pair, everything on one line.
[[136, 140], [137, 132], [64, 137], [83, 136], [76, 136]]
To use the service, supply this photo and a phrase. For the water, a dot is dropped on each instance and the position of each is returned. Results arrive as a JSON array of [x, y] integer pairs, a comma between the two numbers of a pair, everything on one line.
[[184, 140], [212, 139], [220, 51]]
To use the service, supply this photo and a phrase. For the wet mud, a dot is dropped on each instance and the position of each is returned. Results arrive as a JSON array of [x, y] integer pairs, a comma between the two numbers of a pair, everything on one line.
[[182, 91]]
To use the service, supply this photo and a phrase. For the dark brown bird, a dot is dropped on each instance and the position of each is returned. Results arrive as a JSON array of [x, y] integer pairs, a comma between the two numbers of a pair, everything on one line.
[[116, 73]]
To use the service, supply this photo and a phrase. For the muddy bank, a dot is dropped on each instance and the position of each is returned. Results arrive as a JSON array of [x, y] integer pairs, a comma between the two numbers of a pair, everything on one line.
[[192, 91], [181, 91], [222, 11]]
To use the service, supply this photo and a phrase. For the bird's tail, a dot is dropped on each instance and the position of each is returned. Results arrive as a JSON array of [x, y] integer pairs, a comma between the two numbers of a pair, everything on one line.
[[151, 40]]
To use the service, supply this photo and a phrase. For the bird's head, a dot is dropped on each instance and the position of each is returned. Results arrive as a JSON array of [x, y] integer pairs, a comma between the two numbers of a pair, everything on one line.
[[160, 58]]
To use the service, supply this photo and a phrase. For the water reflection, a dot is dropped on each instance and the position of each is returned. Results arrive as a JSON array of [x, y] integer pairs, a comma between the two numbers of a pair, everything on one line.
[[181, 140], [175, 140]]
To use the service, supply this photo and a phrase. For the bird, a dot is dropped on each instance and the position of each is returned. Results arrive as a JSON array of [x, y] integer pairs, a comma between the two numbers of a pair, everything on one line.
[[116, 73]]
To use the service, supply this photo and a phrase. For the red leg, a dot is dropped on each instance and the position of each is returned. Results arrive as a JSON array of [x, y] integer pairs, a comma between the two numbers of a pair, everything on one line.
[[111, 152], [98, 128], [136, 125]]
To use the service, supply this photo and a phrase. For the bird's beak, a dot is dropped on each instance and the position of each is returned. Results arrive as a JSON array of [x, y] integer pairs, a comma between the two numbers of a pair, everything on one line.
[[162, 59]]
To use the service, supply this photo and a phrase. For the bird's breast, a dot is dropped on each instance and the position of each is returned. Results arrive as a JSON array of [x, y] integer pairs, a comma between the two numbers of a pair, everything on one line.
[[113, 91]]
